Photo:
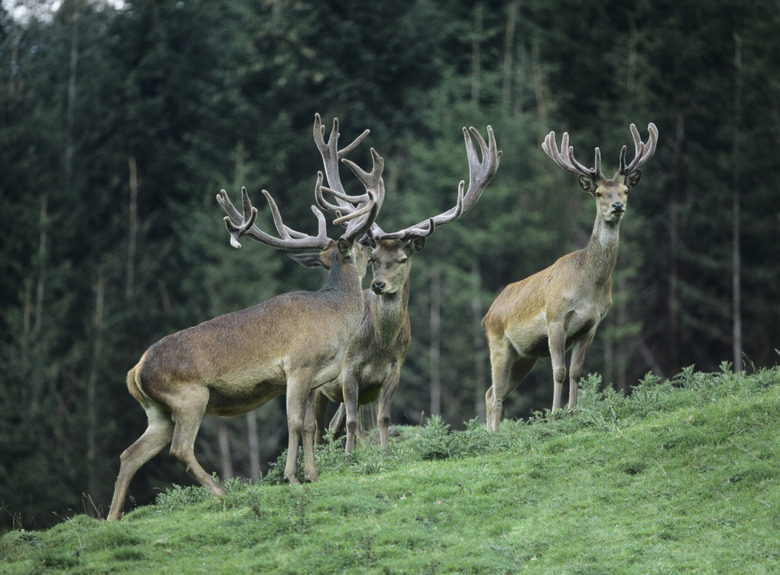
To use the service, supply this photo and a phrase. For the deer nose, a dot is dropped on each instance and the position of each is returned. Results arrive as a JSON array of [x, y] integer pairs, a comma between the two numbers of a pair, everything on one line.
[[378, 287], [618, 206]]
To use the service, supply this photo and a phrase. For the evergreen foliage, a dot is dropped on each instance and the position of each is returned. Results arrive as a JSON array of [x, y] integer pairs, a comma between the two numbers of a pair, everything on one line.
[[120, 122]]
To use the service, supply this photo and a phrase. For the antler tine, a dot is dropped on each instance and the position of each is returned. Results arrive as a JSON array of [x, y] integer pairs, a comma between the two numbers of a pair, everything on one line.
[[330, 157], [288, 239], [643, 151], [480, 174]]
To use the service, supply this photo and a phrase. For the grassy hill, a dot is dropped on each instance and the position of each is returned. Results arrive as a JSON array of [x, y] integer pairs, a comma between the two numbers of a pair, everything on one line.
[[682, 477]]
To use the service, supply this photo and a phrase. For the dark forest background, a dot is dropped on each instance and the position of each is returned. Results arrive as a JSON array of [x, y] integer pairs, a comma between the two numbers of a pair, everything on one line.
[[120, 123]]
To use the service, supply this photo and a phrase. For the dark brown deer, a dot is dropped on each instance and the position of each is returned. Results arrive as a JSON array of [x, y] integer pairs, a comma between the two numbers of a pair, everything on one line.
[[236, 362], [373, 360], [560, 308]]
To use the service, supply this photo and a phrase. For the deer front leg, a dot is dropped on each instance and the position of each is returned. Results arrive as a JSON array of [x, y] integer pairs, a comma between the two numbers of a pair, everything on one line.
[[350, 393], [578, 352], [298, 391], [309, 431], [385, 398], [557, 341]]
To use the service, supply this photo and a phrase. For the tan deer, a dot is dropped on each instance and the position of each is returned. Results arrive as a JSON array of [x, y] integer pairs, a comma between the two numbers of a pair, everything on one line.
[[560, 308], [236, 362], [372, 364]]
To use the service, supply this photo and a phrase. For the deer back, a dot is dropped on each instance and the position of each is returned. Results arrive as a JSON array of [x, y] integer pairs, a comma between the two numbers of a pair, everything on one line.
[[244, 357]]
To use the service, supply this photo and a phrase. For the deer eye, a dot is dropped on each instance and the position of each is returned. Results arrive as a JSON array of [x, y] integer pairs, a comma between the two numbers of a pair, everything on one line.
[[597, 194], [402, 259]]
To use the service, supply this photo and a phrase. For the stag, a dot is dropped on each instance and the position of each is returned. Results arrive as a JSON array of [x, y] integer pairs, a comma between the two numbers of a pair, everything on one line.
[[372, 364], [559, 308], [236, 362]]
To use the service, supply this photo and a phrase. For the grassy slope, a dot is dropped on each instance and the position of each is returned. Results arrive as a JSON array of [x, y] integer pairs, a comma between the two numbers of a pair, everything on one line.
[[683, 477]]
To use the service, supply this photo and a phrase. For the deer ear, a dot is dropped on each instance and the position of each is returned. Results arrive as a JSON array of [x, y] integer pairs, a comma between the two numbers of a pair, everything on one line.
[[368, 242], [587, 183], [415, 244], [311, 260], [345, 247], [632, 179]]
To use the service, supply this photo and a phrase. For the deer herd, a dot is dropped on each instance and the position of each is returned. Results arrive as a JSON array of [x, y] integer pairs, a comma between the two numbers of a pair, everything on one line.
[[346, 345]]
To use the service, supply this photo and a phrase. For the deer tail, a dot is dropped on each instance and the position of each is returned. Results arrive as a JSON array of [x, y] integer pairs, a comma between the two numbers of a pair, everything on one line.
[[134, 383]]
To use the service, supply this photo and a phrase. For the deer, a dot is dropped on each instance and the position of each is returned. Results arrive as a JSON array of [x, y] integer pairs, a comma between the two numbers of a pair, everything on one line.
[[236, 362], [559, 308], [373, 360]]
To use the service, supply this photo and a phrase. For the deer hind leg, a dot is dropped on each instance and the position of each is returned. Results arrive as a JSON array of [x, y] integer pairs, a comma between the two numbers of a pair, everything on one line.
[[158, 434], [508, 370], [575, 367], [188, 417], [321, 402], [338, 421]]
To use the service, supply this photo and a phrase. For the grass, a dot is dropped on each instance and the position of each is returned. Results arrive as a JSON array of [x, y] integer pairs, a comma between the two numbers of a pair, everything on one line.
[[681, 477]]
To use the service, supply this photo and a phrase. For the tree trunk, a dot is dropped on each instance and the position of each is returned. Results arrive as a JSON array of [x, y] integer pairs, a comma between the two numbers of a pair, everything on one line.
[[476, 55], [41, 288], [71, 110], [254, 446], [479, 340], [673, 303], [132, 228], [736, 270], [435, 351], [226, 461], [97, 350], [509, 41]]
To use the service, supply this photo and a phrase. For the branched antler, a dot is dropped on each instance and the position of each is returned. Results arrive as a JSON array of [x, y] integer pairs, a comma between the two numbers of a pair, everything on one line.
[[565, 157], [288, 239]]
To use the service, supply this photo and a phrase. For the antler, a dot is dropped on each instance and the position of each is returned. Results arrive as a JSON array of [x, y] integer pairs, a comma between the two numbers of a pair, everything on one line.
[[288, 239], [480, 174], [643, 152], [565, 158], [330, 157]]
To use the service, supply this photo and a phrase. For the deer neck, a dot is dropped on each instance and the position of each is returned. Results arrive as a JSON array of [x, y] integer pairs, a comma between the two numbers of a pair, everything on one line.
[[388, 311], [343, 277], [602, 250]]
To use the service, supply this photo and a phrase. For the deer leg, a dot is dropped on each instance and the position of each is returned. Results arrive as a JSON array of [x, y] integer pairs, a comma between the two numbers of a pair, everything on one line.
[[501, 367], [187, 419], [385, 398], [158, 434], [350, 393], [320, 411], [298, 390], [307, 434], [557, 340], [337, 422], [508, 370], [575, 367]]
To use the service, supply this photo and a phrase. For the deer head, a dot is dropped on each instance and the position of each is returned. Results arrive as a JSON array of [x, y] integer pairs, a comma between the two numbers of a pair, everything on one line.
[[611, 194], [390, 251]]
